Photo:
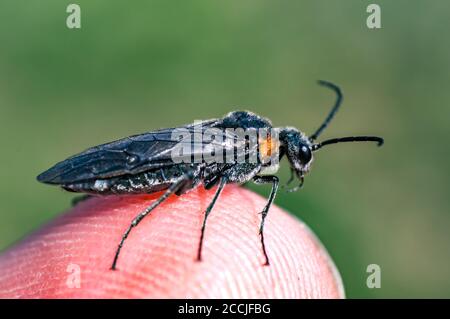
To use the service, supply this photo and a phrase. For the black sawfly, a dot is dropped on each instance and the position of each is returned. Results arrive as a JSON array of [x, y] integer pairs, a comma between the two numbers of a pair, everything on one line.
[[144, 164]]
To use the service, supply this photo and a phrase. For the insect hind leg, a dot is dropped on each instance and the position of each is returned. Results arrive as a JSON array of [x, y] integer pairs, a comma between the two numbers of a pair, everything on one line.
[[266, 180], [171, 190], [78, 199]]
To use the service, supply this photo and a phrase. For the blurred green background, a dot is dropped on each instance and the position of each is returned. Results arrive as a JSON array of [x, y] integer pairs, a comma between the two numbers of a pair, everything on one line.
[[136, 66]]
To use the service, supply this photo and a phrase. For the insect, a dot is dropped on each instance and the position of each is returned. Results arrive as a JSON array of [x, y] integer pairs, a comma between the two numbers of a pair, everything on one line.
[[145, 164]]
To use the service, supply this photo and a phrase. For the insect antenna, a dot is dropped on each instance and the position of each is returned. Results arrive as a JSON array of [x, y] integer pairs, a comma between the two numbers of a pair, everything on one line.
[[377, 139], [333, 111]]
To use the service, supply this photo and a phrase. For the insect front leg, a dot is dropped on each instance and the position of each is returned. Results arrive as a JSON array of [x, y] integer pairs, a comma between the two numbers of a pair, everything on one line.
[[291, 178], [266, 180], [171, 190]]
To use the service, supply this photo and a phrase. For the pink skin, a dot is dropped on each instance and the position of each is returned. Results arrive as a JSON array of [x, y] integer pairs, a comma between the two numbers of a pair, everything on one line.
[[158, 259]]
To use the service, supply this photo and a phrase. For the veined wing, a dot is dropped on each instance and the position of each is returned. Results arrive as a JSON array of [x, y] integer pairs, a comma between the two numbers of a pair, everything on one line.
[[131, 155]]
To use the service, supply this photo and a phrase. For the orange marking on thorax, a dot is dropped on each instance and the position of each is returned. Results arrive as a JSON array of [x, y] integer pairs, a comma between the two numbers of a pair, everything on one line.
[[268, 146]]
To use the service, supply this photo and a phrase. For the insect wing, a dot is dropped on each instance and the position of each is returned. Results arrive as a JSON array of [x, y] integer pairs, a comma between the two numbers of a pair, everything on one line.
[[130, 155]]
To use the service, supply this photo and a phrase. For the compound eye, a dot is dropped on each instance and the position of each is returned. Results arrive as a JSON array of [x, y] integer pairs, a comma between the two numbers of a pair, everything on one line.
[[305, 155]]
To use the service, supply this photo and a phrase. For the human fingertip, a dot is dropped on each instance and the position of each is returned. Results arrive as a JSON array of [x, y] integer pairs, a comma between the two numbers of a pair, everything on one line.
[[160, 257]]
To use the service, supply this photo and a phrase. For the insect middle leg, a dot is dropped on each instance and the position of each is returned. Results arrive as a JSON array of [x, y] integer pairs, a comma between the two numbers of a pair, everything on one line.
[[171, 190], [266, 180], [222, 183]]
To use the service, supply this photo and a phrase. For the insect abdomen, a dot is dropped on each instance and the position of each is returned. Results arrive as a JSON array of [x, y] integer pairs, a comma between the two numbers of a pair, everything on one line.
[[147, 182]]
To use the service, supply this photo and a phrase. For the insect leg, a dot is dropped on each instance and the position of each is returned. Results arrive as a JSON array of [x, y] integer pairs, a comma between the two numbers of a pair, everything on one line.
[[289, 180], [266, 180], [299, 186], [172, 189], [223, 181], [79, 199]]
